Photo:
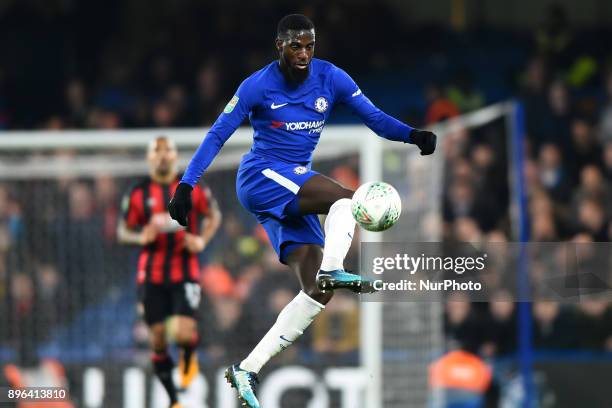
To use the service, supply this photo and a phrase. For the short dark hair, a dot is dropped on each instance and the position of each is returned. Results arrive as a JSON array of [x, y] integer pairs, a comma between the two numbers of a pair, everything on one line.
[[294, 22]]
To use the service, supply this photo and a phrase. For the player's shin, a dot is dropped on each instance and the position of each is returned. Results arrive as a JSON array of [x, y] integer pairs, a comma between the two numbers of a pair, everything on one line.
[[163, 365], [339, 230], [188, 364], [290, 324]]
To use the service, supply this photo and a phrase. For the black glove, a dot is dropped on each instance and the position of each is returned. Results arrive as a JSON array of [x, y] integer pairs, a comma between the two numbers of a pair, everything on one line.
[[180, 205], [425, 139]]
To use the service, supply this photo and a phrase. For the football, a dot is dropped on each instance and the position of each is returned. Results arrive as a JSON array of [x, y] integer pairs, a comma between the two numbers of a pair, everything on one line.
[[376, 206]]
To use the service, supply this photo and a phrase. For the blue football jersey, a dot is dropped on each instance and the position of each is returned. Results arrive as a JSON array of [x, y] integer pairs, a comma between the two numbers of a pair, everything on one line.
[[288, 118]]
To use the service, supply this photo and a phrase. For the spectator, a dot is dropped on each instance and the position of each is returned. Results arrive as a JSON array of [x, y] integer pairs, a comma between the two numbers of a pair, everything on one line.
[[500, 329], [164, 115], [208, 90], [460, 378], [585, 147], [161, 75], [533, 96], [605, 118], [556, 121], [591, 218], [463, 94], [557, 118], [593, 186], [554, 177], [79, 254], [462, 202], [439, 107], [106, 203], [607, 161], [488, 173], [466, 230], [4, 114], [553, 326], [76, 107], [543, 228], [114, 95], [554, 37], [103, 119], [594, 325], [461, 323], [176, 96]]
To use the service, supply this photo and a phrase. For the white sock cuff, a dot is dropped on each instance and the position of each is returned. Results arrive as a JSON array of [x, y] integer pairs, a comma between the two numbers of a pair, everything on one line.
[[303, 297], [340, 203]]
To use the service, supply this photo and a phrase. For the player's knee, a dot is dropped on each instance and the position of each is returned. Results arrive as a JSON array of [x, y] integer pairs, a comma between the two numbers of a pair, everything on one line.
[[184, 337], [185, 330]]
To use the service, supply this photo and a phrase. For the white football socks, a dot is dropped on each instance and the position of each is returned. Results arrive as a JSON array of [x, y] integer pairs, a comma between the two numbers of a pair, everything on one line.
[[290, 324], [339, 230], [301, 311]]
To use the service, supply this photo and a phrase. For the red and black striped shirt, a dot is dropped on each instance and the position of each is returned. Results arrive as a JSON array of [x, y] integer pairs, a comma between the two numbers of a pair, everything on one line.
[[165, 260]]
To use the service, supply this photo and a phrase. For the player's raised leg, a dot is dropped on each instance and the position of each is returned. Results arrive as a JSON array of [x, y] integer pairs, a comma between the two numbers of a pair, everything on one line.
[[322, 195], [318, 195]]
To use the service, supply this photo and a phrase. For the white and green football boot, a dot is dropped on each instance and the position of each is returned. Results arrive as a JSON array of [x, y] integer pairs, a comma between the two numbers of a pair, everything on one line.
[[244, 382], [341, 279]]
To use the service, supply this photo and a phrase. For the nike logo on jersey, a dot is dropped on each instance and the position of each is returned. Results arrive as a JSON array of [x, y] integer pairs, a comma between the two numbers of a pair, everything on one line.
[[273, 106], [356, 93]]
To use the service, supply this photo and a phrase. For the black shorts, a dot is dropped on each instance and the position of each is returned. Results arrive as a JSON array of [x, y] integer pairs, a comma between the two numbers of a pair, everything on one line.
[[162, 301]]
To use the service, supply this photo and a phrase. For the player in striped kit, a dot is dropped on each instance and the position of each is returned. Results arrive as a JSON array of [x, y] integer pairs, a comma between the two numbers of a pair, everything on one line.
[[168, 266]]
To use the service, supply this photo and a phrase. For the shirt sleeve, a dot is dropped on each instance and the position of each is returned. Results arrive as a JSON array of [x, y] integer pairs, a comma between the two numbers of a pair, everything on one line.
[[233, 115], [348, 93], [131, 208], [202, 200]]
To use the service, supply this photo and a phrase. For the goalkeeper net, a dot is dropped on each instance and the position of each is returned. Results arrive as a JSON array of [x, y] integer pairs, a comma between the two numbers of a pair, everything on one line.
[[67, 288], [412, 333]]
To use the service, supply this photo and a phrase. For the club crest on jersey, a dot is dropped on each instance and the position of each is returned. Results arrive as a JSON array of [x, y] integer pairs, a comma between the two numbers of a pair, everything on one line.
[[321, 104], [300, 170]]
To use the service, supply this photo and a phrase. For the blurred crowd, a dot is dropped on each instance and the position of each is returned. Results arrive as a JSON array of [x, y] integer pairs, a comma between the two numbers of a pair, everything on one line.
[[120, 64], [64, 277], [52, 265], [567, 100]]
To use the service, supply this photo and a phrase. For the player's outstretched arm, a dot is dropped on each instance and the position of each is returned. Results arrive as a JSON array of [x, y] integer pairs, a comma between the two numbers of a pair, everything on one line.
[[386, 126], [226, 124]]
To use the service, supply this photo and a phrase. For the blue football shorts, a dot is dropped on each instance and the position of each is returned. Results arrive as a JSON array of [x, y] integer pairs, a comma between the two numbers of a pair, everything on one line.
[[269, 189]]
